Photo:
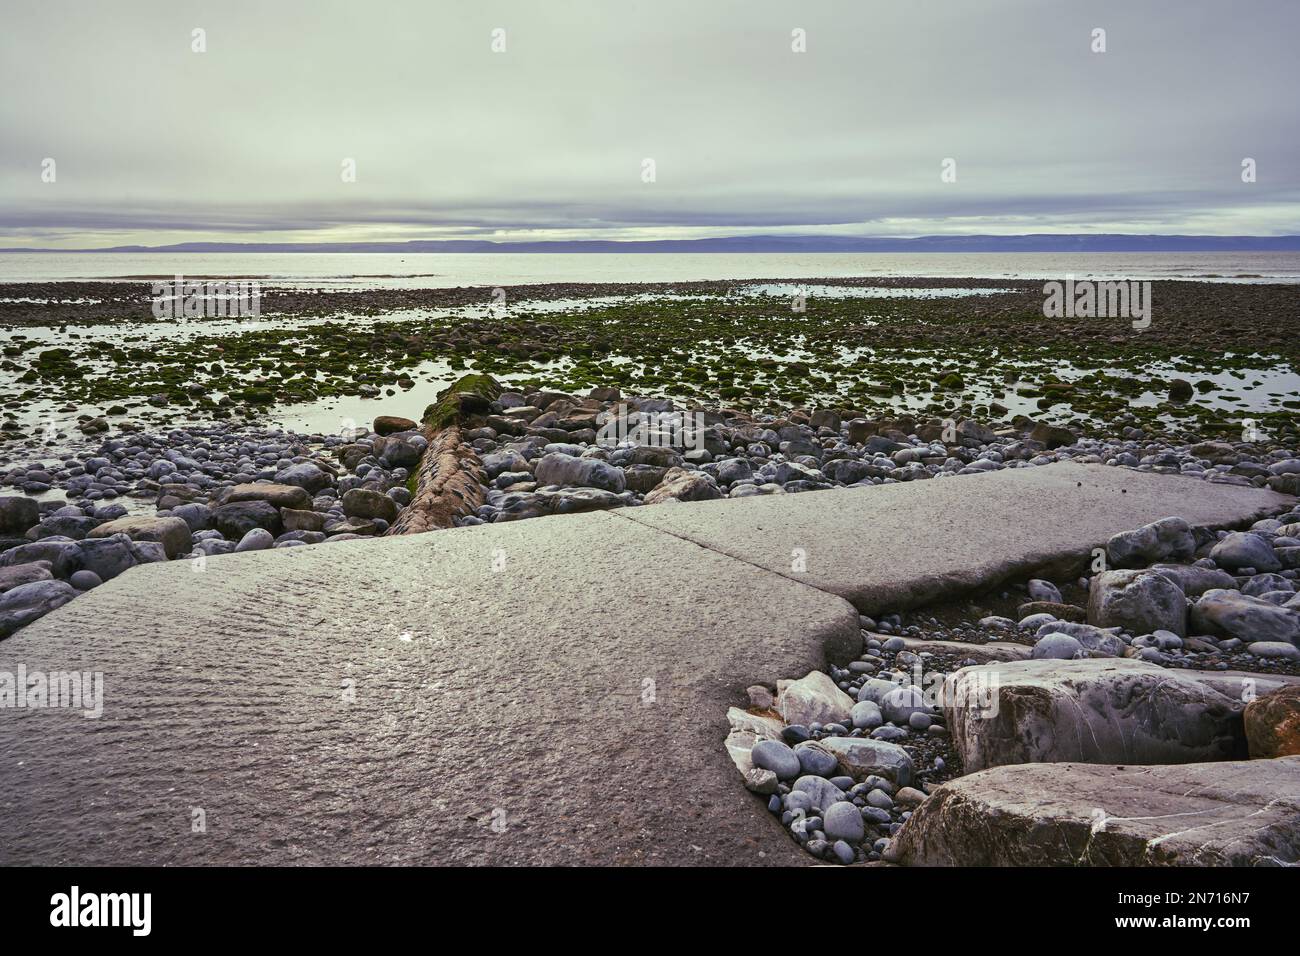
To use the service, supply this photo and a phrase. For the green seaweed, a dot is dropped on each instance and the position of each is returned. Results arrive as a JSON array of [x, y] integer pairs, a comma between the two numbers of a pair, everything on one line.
[[452, 400]]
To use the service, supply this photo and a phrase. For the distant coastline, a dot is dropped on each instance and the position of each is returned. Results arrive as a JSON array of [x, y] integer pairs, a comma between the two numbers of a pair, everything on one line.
[[739, 244]]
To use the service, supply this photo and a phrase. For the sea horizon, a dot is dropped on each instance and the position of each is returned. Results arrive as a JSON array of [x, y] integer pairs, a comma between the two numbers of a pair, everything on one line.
[[450, 269]]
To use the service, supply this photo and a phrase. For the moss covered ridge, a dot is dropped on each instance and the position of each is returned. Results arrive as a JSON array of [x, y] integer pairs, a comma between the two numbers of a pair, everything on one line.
[[469, 394]]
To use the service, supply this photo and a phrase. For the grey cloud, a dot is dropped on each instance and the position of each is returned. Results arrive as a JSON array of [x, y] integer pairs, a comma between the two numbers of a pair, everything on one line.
[[452, 139]]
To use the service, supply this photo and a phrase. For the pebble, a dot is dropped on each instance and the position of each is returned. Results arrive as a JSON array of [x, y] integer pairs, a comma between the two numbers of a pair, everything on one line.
[[257, 539], [843, 821], [796, 734], [776, 756], [866, 715], [85, 580], [879, 799], [814, 760]]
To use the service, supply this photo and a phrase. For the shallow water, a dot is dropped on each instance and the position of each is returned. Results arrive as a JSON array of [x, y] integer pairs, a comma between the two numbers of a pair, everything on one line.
[[450, 270], [1258, 390]]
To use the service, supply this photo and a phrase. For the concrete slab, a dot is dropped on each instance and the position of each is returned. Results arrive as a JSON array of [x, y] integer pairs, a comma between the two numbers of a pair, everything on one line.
[[894, 547], [574, 700]]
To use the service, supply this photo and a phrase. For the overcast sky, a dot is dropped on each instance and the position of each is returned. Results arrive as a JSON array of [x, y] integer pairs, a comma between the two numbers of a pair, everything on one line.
[[156, 143]]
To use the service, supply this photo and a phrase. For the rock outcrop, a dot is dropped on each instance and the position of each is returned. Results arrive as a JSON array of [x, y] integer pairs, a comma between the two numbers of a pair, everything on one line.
[[172, 533], [1137, 601], [1273, 723], [1093, 711], [1239, 813], [1249, 619], [450, 482], [813, 699]]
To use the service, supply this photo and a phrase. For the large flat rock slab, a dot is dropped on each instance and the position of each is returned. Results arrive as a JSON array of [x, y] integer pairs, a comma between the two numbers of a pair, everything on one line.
[[398, 701], [1238, 813], [550, 691], [894, 547]]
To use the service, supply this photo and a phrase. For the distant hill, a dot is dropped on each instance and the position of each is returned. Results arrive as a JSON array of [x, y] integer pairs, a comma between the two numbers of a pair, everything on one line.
[[1028, 243]]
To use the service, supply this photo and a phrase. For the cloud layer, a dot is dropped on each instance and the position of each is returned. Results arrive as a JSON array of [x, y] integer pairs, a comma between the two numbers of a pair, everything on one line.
[[156, 143]]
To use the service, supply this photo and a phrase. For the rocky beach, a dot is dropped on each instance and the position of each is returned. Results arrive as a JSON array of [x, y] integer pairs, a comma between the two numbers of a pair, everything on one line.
[[620, 438], [846, 756], [593, 398]]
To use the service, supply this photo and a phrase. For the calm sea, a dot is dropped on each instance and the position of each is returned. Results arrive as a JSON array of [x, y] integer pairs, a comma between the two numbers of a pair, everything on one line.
[[442, 270]]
